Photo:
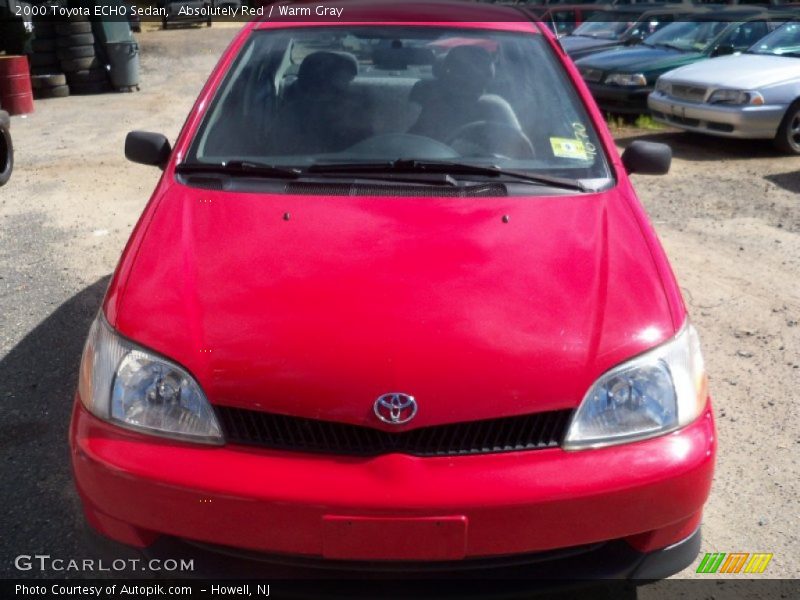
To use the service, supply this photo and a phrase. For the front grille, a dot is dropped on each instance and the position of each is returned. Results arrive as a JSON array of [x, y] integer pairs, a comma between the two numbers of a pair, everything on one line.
[[593, 75], [692, 93], [508, 434], [683, 121]]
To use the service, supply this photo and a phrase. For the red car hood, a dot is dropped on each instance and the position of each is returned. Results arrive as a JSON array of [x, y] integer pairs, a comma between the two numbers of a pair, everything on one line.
[[354, 297]]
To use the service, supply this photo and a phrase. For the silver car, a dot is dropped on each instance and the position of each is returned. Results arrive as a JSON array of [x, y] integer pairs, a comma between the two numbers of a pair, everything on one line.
[[751, 95]]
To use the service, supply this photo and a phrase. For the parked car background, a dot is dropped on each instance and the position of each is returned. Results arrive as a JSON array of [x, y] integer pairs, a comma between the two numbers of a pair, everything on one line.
[[562, 19], [196, 10], [621, 79], [626, 26], [753, 95]]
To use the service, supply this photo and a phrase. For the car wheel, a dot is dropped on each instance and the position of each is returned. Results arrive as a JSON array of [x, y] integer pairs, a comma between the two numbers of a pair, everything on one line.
[[788, 137], [6, 150]]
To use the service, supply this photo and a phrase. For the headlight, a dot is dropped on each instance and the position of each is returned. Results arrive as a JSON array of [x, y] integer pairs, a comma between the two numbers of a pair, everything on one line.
[[652, 394], [735, 97], [663, 86], [132, 387], [627, 79]]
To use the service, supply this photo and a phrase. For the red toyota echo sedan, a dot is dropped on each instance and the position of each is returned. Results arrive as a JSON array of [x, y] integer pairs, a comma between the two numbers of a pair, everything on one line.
[[394, 306]]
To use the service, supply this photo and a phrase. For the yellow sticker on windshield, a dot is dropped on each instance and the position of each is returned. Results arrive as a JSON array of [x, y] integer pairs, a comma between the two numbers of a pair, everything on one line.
[[568, 148]]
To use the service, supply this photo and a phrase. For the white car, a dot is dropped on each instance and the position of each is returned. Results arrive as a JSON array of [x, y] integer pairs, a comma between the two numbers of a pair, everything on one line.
[[751, 95]]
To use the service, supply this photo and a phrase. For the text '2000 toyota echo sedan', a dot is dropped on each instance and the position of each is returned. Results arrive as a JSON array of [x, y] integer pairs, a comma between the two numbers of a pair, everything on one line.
[[394, 304]]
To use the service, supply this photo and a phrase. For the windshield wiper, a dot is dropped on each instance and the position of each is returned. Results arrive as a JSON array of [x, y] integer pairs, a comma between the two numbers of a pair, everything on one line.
[[449, 168], [240, 168]]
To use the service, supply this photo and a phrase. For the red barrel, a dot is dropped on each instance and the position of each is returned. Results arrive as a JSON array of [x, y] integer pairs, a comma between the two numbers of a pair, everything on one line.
[[16, 95]]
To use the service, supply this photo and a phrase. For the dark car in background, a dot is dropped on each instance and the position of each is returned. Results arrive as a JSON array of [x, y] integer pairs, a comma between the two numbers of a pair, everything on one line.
[[562, 19], [185, 11], [621, 79], [624, 27]]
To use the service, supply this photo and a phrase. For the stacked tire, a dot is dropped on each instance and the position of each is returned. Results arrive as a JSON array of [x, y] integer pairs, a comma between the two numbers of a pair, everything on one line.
[[75, 50], [47, 79], [6, 148]]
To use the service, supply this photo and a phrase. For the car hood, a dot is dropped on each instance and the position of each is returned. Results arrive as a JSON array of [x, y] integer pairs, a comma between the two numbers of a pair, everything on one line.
[[746, 71], [314, 306], [639, 59]]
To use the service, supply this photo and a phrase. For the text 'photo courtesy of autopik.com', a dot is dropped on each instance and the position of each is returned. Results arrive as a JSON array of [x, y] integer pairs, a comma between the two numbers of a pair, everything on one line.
[[400, 299]]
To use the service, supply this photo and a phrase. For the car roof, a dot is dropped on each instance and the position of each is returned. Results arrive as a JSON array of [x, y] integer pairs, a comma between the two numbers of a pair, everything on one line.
[[415, 10], [739, 13]]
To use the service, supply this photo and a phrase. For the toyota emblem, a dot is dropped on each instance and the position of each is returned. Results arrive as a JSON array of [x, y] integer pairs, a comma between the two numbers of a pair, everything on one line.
[[395, 409]]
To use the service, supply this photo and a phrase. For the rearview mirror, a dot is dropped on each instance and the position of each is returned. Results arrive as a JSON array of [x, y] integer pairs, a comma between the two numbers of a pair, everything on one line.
[[147, 148], [723, 50], [647, 158]]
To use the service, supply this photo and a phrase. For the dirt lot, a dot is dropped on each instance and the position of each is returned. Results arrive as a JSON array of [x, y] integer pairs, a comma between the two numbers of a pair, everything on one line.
[[728, 214]]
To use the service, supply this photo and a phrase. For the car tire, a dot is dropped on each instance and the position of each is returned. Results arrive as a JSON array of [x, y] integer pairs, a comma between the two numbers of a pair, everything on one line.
[[43, 45], [76, 39], [71, 65], [75, 52], [73, 27], [60, 91], [48, 80], [6, 149], [44, 29], [788, 137], [43, 59], [54, 69]]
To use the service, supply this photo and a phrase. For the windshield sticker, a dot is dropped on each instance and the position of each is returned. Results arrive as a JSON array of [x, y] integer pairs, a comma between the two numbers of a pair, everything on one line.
[[580, 133], [568, 148]]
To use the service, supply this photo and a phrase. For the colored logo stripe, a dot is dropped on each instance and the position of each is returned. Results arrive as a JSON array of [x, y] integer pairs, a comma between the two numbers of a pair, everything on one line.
[[734, 562], [758, 563], [714, 562], [711, 562]]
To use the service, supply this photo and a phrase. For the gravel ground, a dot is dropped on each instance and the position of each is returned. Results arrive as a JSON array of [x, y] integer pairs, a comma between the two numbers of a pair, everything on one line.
[[727, 214]]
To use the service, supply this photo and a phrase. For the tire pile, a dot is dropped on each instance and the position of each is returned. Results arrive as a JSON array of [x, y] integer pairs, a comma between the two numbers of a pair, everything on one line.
[[65, 61]]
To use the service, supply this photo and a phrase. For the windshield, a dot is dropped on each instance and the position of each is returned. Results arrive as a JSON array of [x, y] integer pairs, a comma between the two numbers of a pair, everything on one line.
[[690, 36], [784, 41], [361, 94], [599, 26]]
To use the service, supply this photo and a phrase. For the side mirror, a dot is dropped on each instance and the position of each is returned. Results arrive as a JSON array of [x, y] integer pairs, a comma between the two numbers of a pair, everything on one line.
[[147, 148], [723, 50], [647, 158]]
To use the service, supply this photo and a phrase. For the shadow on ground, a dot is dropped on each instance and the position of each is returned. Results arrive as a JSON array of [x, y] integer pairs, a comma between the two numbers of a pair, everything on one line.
[[40, 509], [697, 147], [789, 181]]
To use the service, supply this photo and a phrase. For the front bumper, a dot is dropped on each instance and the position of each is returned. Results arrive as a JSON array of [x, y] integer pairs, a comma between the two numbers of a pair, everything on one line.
[[620, 100], [749, 122], [137, 489]]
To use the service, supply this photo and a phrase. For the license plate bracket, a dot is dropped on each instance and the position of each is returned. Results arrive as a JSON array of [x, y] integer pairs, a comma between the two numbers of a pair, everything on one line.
[[394, 538]]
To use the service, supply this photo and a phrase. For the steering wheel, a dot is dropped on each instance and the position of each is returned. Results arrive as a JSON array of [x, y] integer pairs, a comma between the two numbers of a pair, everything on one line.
[[498, 139]]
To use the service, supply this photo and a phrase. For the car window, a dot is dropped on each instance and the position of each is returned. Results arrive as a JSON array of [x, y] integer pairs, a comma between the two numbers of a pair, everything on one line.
[[298, 97], [745, 35], [649, 26], [784, 41], [602, 27], [693, 36]]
